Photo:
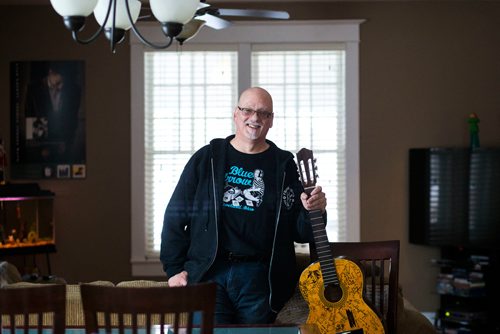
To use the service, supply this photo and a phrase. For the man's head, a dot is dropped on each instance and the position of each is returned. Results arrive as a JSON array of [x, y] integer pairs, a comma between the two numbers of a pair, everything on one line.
[[253, 117], [55, 79]]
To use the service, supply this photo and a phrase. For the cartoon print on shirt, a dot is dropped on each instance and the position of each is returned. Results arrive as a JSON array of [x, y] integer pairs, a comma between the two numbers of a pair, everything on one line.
[[232, 195], [256, 193], [244, 199]]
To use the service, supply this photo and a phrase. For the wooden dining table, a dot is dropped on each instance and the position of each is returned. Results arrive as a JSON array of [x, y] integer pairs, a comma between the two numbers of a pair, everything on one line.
[[271, 329], [245, 329], [260, 329]]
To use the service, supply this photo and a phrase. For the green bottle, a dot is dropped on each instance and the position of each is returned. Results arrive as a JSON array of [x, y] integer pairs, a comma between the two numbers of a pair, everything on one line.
[[474, 130]]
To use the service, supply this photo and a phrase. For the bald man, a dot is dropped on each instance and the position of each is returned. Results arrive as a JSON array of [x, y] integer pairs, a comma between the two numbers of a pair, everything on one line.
[[234, 216]]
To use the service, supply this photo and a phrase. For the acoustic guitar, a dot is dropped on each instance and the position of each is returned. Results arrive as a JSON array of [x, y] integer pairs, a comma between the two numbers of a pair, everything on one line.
[[332, 288]]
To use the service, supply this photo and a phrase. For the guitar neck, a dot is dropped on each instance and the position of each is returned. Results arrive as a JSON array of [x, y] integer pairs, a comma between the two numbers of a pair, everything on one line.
[[323, 249], [306, 165]]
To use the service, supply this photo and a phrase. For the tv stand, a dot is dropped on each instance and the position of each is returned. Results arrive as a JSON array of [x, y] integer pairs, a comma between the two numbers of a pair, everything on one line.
[[468, 286]]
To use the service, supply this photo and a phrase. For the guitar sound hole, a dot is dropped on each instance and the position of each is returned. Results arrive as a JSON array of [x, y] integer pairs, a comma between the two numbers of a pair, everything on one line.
[[333, 293]]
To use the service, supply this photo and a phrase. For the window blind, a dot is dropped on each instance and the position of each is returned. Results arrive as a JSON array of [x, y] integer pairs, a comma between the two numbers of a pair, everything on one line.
[[308, 89], [188, 100]]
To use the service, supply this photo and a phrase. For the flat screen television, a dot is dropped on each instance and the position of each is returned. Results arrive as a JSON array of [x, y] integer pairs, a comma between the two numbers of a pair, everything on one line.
[[454, 197]]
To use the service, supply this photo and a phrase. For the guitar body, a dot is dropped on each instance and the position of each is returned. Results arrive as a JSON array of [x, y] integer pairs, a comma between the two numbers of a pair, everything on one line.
[[342, 309]]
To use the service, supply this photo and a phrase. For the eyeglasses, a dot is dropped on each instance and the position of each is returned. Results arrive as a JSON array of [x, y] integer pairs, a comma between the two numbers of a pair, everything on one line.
[[249, 112]]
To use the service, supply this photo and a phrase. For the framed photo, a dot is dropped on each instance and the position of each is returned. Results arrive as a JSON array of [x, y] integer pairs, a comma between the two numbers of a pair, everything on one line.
[[47, 119], [78, 171], [63, 172]]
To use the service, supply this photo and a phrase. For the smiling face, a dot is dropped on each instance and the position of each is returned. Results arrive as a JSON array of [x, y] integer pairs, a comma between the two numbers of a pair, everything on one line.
[[252, 127]]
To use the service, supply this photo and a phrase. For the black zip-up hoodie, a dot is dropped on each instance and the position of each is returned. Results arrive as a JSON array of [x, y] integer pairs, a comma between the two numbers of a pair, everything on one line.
[[190, 235]]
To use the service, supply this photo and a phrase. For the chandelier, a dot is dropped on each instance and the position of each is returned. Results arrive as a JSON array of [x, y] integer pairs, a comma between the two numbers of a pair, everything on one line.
[[115, 17]]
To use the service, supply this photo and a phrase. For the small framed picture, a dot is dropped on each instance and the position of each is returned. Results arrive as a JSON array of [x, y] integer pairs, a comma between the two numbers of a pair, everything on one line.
[[78, 171], [63, 172], [48, 172]]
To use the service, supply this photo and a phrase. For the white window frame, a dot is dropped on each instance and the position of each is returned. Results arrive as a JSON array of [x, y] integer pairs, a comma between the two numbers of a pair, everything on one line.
[[245, 34]]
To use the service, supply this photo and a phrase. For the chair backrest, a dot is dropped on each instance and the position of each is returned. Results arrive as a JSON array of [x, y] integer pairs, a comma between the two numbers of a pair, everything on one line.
[[379, 262], [27, 308], [107, 307]]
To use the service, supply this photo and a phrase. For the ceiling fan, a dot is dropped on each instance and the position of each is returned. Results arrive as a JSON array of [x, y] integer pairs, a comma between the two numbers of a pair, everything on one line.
[[213, 17]]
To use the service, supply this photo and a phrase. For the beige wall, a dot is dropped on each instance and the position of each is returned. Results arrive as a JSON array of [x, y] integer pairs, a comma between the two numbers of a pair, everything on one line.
[[424, 66]]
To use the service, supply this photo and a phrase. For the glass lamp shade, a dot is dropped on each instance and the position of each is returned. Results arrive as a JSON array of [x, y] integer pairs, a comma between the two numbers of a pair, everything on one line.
[[73, 7], [122, 20], [178, 11], [189, 30]]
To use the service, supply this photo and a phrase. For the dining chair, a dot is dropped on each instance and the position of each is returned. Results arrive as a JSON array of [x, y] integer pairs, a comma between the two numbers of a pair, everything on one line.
[[135, 308], [24, 309], [379, 262]]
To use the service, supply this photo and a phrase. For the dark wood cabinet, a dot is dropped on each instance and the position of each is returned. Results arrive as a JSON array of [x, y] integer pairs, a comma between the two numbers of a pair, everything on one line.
[[454, 204]]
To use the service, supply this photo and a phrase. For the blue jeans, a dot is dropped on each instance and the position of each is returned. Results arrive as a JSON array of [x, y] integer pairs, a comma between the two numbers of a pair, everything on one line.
[[242, 292]]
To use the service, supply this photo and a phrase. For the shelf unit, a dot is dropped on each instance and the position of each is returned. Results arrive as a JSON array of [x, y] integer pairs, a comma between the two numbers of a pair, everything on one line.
[[467, 284]]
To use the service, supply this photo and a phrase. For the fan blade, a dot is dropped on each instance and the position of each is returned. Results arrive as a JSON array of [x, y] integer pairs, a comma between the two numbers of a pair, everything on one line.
[[269, 14], [202, 10], [214, 21]]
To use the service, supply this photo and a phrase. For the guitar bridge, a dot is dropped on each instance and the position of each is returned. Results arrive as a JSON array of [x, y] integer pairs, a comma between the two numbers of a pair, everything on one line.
[[354, 331]]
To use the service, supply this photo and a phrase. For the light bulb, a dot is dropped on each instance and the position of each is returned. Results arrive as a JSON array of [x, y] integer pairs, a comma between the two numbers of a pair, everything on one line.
[[189, 30], [122, 19], [73, 7], [178, 11]]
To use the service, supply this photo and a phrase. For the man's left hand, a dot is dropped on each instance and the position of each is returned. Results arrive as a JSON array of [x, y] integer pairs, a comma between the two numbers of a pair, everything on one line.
[[315, 201]]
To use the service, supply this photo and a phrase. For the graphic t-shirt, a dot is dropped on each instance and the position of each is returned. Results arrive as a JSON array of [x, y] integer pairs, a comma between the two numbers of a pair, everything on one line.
[[248, 204]]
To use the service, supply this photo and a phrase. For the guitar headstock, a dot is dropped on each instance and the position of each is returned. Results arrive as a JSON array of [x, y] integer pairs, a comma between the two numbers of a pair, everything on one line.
[[307, 169]]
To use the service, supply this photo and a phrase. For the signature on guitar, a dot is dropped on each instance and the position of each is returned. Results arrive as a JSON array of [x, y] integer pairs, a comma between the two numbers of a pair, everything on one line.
[[332, 288]]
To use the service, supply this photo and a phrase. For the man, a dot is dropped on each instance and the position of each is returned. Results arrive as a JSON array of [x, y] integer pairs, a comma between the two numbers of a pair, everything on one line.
[[53, 103], [234, 216]]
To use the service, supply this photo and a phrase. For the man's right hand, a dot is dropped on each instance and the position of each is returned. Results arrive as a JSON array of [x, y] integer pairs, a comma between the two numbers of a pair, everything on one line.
[[181, 279]]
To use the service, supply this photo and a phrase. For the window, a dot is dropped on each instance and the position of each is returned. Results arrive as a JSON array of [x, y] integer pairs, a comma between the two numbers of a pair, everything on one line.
[[308, 89], [182, 99], [186, 94]]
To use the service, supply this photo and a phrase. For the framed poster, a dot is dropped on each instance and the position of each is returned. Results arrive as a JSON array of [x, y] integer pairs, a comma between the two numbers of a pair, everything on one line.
[[47, 120]]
